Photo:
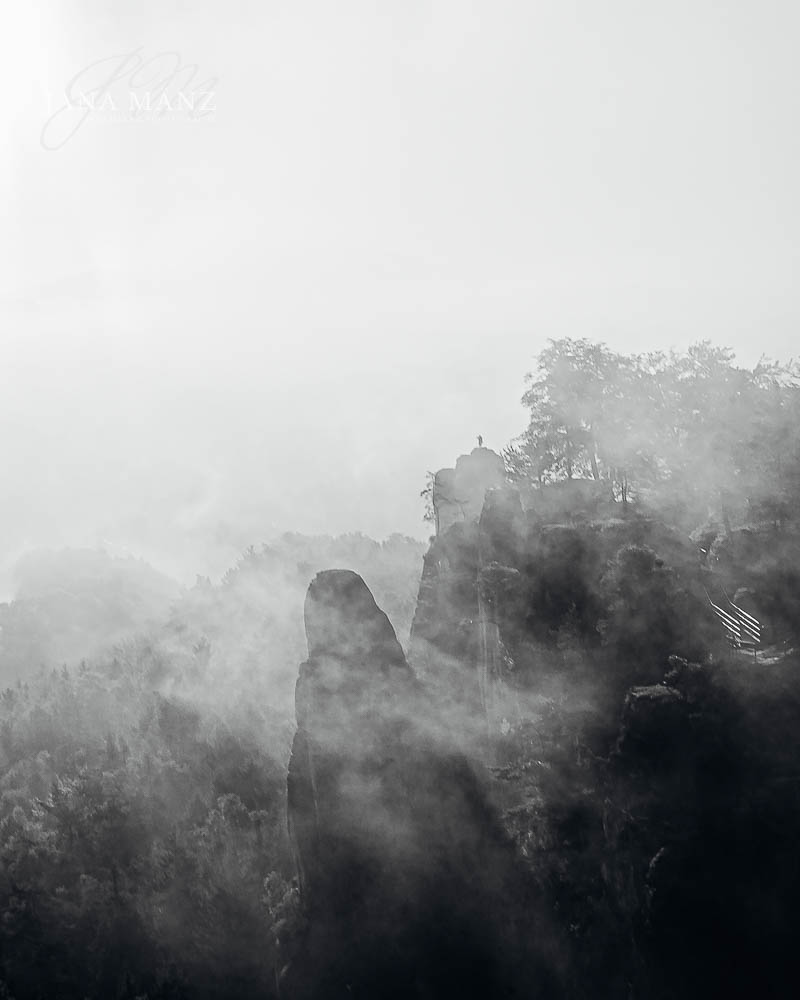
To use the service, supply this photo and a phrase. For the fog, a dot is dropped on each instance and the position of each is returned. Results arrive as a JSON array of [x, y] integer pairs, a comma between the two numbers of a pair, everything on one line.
[[280, 317], [237, 338]]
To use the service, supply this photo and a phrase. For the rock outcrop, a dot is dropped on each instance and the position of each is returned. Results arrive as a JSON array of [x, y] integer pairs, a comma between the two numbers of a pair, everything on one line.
[[352, 701], [516, 598], [458, 493], [650, 793], [468, 591], [410, 886]]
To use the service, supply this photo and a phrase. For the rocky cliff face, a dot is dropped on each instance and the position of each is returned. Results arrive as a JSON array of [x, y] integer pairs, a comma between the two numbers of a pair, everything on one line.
[[701, 807], [514, 600], [468, 590], [653, 798], [637, 834], [352, 699], [458, 493], [411, 887]]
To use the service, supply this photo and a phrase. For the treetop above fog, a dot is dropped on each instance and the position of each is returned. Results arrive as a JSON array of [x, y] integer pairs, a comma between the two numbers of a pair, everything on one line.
[[692, 426]]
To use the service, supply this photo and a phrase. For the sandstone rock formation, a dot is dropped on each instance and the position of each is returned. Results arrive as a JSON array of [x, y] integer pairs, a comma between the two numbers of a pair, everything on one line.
[[353, 698], [538, 596], [458, 493], [410, 887], [470, 580]]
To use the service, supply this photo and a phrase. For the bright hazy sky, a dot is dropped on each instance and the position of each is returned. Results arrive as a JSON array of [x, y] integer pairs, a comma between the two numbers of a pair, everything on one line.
[[280, 317]]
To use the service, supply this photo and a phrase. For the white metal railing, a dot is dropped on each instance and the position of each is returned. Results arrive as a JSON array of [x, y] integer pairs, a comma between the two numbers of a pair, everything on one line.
[[741, 628]]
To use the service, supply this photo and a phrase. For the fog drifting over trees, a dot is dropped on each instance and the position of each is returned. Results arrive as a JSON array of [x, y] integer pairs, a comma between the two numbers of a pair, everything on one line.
[[532, 745]]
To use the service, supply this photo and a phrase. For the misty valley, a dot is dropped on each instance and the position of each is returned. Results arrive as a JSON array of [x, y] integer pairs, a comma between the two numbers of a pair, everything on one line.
[[553, 752]]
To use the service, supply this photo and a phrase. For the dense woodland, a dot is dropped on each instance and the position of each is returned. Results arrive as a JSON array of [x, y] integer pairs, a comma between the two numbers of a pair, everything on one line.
[[145, 728], [142, 815]]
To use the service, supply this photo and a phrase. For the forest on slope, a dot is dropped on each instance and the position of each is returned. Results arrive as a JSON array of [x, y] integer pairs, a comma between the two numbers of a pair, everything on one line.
[[145, 729], [143, 841]]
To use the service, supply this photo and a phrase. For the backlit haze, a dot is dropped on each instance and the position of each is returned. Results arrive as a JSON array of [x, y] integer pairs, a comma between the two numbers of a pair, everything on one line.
[[279, 317]]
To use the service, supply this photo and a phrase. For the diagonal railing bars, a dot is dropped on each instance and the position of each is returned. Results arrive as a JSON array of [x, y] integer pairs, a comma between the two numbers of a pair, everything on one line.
[[741, 628]]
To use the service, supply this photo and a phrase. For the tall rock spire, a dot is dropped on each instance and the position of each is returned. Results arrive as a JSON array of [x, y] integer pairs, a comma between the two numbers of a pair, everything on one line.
[[410, 887]]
